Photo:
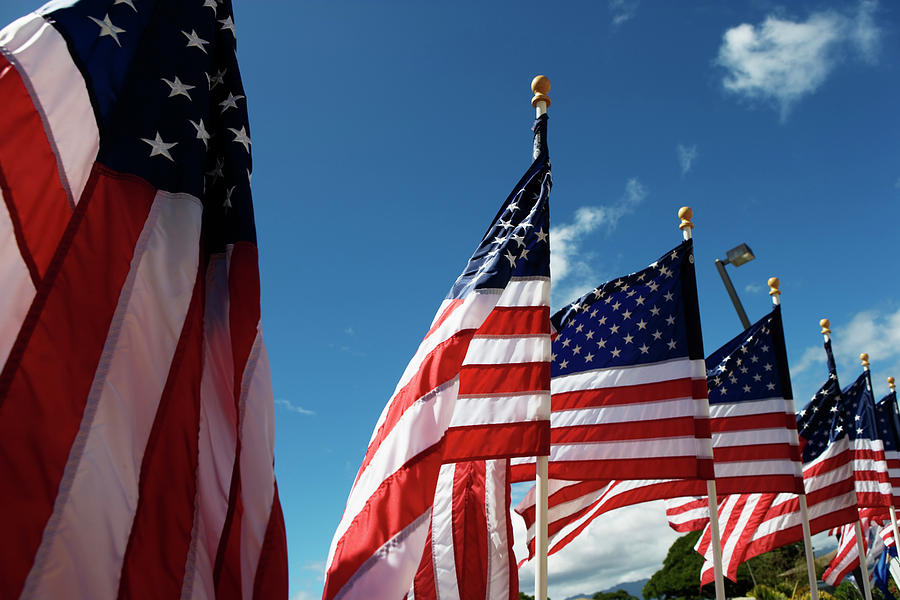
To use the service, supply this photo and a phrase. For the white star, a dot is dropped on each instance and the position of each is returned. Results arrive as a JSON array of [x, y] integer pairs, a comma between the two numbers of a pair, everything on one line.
[[671, 344], [541, 236], [525, 253], [564, 364], [241, 137], [511, 258], [639, 300], [674, 255], [670, 320], [217, 79], [858, 417], [579, 328], [669, 296], [803, 413], [513, 206], [228, 24], [642, 324], [771, 386], [616, 352], [597, 293], [602, 320], [588, 357], [767, 367], [211, 4], [128, 2], [601, 343], [757, 377], [645, 349], [626, 314], [746, 389], [754, 359], [576, 350], [202, 134], [629, 338], [594, 314], [723, 390], [230, 101], [614, 329], [838, 429], [159, 147], [565, 343], [504, 224], [589, 335], [519, 239], [654, 311], [228, 193], [859, 430], [195, 40], [653, 286], [217, 171], [764, 348], [107, 28], [657, 334], [176, 88]]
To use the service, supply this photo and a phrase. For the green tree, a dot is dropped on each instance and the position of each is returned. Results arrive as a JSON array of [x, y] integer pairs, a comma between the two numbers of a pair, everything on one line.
[[617, 595]]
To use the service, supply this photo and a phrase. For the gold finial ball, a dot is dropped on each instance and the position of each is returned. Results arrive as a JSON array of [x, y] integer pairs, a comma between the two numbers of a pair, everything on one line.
[[825, 324], [685, 214], [540, 85], [864, 359], [891, 383], [774, 284]]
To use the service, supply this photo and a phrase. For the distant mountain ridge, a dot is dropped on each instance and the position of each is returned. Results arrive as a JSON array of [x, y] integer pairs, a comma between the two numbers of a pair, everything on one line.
[[635, 588]]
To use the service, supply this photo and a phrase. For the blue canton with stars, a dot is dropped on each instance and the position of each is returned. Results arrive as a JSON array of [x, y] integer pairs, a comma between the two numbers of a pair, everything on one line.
[[517, 244], [645, 317], [821, 421], [858, 405], [752, 366], [888, 421], [167, 94]]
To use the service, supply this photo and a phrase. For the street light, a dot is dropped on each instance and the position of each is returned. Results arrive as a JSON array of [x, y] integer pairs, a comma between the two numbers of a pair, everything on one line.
[[736, 256]]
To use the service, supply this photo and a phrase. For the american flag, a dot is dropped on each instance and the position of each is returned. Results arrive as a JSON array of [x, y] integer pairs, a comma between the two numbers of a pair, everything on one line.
[[870, 471], [629, 383], [478, 387], [828, 481], [877, 536], [469, 551], [136, 418], [888, 422]]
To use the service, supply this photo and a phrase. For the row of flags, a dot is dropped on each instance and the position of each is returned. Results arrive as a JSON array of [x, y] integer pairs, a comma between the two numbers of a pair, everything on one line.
[[636, 413]]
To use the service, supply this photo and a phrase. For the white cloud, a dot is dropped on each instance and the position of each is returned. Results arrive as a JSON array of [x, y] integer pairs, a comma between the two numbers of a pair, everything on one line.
[[287, 404], [753, 288], [781, 60], [570, 267], [304, 595], [622, 10], [686, 157], [595, 560]]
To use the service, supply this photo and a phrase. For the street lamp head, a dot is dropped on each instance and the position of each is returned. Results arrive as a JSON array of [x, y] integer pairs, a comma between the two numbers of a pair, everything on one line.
[[739, 255]]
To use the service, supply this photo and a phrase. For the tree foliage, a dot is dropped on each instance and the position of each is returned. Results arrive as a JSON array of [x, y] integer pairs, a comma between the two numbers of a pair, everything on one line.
[[616, 595]]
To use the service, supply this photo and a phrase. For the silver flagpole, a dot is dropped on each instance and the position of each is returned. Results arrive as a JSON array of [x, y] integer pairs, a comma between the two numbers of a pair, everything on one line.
[[686, 214], [540, 85], [775, 293]]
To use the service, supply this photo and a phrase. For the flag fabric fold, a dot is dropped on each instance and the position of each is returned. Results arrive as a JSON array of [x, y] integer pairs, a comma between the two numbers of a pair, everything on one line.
[[870, 469], [130, 341], [888, 422], [478, 388]]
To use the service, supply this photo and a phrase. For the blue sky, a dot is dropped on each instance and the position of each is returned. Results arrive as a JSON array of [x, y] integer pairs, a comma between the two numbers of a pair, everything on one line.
[[385, 135]]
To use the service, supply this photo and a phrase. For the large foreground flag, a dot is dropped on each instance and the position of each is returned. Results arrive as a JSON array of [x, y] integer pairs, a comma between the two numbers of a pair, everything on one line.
[[870, 470], [136, 420], [478, 387], [629, 382]]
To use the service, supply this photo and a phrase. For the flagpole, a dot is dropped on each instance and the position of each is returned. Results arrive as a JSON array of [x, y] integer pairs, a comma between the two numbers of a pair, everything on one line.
[[540, 85], [775, 293], [860, 546], [686, 214]]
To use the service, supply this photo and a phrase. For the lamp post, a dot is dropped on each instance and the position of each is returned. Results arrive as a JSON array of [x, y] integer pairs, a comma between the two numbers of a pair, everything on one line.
[[736, 256]]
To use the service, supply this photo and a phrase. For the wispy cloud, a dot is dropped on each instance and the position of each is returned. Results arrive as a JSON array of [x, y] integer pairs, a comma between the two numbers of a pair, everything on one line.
[[349, 331], [753, 288], [591, 563], [288, 405], [686, 157], [782, 60], [622, 11], [571, 268]]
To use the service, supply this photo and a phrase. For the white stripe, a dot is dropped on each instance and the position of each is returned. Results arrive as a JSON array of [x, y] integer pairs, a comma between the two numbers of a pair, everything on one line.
[[724, 410], [753, 437], [62, 99], [421, 426], [483, 410], [443, 555], [120, 410], [757, 468], [257, 466], [662, 447], [18, 290], [217, 436], [499, 546], [388, 573], [678, 368], [526, 292], [508, 350], [624, 413]]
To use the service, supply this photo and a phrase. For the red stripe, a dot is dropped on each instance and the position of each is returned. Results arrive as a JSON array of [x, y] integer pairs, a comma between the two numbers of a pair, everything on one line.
[[504, 378], [867, 454], [440, 366], [243, 316], [837, 489], [662, 467], [470, 529], [660, 429], [454, 304], [782, 451], [517, 320], [829, 464], [30, 181], [759, 484], [482, 442], [154, 562], [272, 570], [402, 497], [627, 394], [45, 382], [424, 584], [511, 555], [750, 422]]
